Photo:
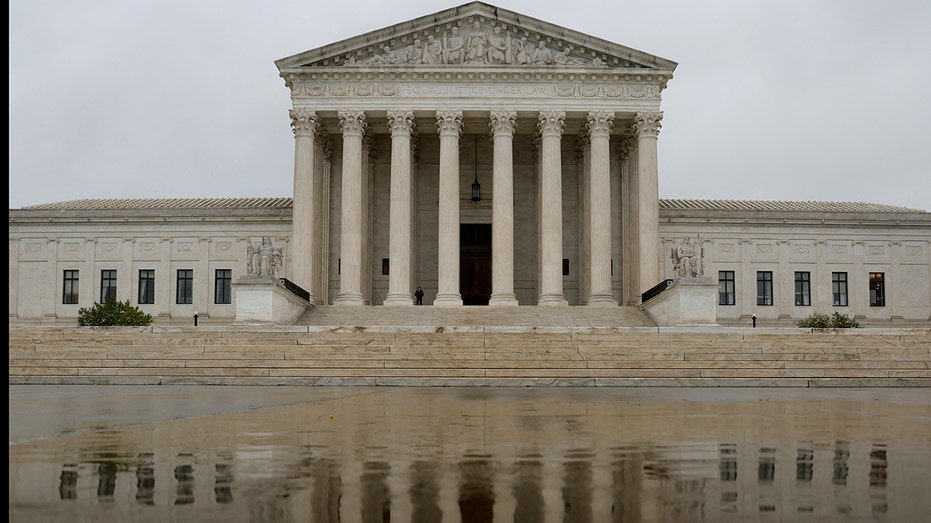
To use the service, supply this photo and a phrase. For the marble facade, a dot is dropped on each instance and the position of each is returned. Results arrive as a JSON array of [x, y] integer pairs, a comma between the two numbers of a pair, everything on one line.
[[391, 131], [385, 120]]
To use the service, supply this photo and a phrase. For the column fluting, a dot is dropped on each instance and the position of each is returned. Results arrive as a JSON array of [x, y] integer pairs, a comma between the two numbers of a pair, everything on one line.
[[503, 124], [449, 125], [304, 124], [551, 124], [400, 124], [352, 124], [647, 126], [599, 207]]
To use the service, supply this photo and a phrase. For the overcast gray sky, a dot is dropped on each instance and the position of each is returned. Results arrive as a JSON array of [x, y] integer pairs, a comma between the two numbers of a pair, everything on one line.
[[772, 100]]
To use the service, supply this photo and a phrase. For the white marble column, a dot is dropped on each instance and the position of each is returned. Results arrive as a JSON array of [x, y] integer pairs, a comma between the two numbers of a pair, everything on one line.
[[304, 124], [449, 125], [400, 124], [350, 245], [551, 125], [629, 267], [647, 126], [599, 208], [583, 164], [502, 126], [323, 160]]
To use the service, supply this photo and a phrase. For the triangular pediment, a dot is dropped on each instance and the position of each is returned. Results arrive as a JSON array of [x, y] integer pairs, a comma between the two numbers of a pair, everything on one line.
[[475, 35]]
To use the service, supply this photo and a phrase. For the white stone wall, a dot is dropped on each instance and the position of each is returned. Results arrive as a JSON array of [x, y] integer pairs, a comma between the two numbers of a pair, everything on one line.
[[41, 252], [42, 244], [901, 252]]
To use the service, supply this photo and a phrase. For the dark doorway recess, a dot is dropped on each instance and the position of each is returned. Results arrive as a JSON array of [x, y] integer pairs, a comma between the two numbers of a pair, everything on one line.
[[475, 263]]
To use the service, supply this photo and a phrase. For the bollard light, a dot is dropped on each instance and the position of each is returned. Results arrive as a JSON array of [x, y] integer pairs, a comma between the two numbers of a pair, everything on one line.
[[195, 318], [754, 320]]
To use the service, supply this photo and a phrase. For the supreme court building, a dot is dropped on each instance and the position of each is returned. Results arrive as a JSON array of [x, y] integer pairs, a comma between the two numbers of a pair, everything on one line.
[[556, 130], [492, 159]]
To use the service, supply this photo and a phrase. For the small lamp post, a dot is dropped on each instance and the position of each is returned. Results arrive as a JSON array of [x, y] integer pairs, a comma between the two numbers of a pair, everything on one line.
[[195, 318], [751, 317]]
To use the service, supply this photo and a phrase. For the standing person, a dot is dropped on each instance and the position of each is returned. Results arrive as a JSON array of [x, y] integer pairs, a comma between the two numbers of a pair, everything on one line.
[[419, 295]]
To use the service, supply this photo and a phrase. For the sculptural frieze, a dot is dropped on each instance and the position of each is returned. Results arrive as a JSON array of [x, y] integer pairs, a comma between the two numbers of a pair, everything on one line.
[[479, 43], [688, 258]]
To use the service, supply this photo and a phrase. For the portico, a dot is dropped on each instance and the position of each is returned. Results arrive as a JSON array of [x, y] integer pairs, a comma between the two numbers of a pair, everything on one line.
[[392, 127]]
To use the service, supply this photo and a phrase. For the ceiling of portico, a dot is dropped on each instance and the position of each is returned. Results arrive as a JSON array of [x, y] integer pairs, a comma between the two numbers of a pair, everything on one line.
[[474, 36]]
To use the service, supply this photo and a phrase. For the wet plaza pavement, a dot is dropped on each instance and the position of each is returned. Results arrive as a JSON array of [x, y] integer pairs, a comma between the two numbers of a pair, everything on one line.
[[225, 453]]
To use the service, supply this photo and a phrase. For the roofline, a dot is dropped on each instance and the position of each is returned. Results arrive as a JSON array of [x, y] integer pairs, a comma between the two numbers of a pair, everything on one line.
[[295, 62]]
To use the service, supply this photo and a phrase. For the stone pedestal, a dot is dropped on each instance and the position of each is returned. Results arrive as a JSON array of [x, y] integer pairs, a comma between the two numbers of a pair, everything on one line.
[[266, 300], [688, 302]]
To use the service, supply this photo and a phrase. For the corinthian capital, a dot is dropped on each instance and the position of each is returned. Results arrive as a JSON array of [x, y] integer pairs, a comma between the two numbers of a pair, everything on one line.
[[449, 122], [400, 123], [647, 124], [352, 122], [503, 122], [551, 122], [600, 123], [303, 122]]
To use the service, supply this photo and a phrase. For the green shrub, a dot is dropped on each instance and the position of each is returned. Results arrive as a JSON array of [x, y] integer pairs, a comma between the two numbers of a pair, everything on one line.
[[112, 313], [841, 321], [823, 321]]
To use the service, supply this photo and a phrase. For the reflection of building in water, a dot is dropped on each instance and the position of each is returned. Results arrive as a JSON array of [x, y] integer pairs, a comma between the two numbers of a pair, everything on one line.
[[649, 483]]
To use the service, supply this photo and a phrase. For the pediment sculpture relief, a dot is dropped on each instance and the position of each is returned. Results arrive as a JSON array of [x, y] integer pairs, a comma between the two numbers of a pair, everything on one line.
[[480, 44]]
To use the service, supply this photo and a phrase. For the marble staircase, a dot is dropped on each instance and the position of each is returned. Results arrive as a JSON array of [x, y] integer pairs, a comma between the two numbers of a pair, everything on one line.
[[524, 316], [482, 346]]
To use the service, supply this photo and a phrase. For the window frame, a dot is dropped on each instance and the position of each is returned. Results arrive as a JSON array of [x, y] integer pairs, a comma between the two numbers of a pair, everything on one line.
[[839, 289], [222, 286], [803, 288], [877, 283], [146, 294], [107, 284], [727, 288], [184, 287], [71, 287], [764, 288]]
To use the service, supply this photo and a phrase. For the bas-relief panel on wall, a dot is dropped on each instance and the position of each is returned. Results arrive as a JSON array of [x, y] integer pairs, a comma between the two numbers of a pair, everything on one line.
[[915, 251], [108, 249], [727, 250], [802, 251], [876, 251]]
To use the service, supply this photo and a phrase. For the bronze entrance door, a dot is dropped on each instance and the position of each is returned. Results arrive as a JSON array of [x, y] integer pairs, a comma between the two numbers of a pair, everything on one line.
[[475, 263]]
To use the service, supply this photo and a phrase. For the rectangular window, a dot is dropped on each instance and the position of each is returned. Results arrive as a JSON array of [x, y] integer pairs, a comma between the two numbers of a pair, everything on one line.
[[839, 288], [146, 286], [764, 288], [221, 286], [726, 294], [385, 267], [107, 285], [185, 286], [803, 289], [69, 294], [565, 266], [877, 289]]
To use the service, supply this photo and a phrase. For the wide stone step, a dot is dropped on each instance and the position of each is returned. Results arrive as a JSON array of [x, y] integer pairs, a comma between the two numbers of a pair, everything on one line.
[[579, 350], [334, 315]]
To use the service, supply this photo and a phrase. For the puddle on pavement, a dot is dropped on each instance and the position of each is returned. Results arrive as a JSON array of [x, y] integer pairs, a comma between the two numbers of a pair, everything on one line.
[[477, 454]]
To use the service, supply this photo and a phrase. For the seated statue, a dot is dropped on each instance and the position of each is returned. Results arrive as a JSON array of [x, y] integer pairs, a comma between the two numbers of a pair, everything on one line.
[[263, 261], [687, 258]]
